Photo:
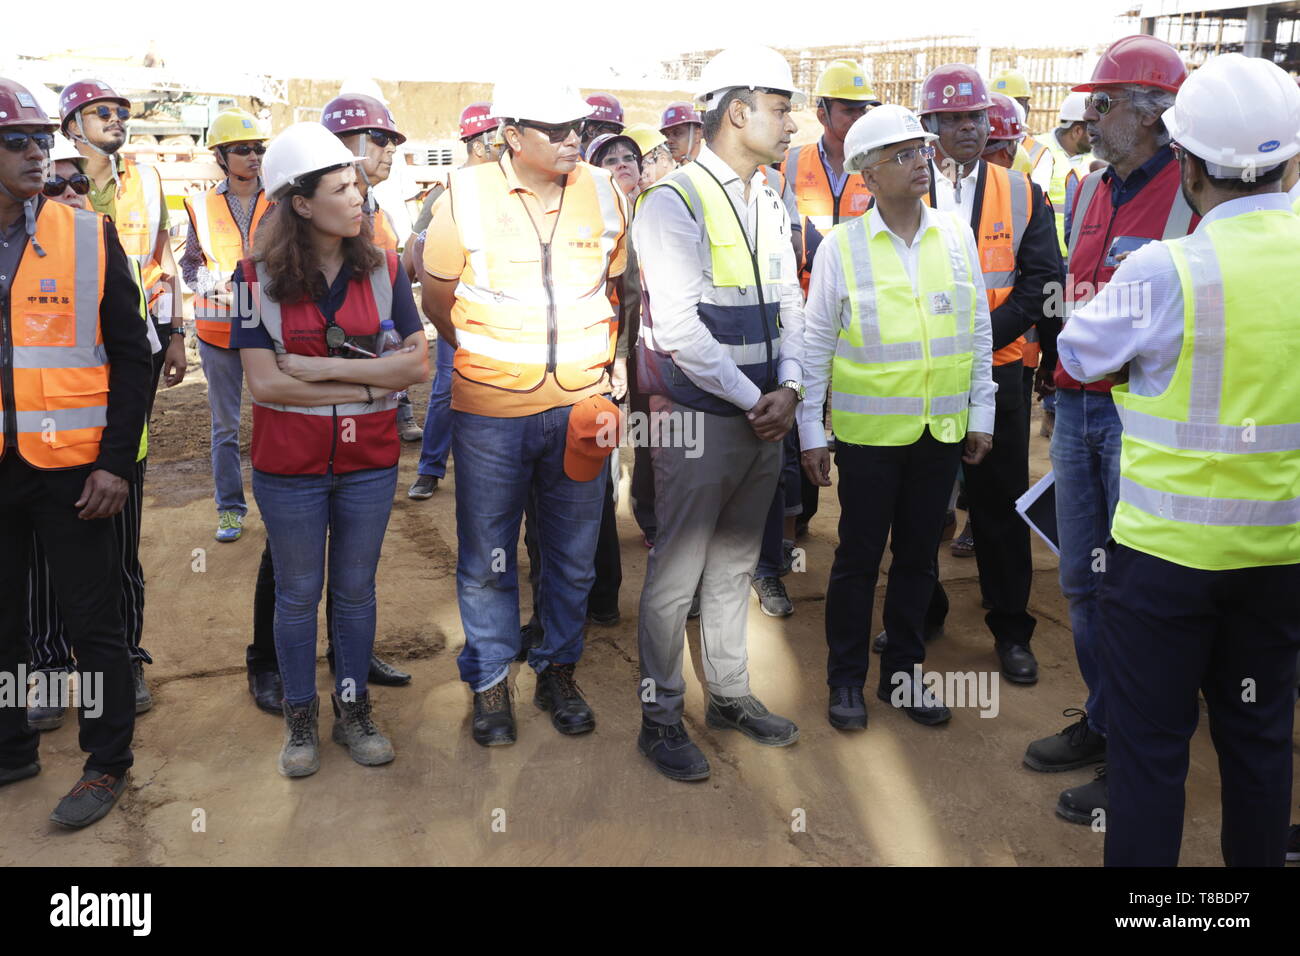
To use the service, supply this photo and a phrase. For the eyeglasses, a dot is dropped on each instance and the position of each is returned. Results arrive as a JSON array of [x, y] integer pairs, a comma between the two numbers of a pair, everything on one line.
[[103, 112], [382, 139], [556, 134], [625, 159], [245, 149], [1101, 102], [55, 185], [905, 156], [17, 142]]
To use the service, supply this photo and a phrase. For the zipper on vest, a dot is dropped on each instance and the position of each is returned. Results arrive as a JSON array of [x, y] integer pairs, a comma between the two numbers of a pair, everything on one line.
[[552, 320], [334, 438], [925, 356], [7, 371]]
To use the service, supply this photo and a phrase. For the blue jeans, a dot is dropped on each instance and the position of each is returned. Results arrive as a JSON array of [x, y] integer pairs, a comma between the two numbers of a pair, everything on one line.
[[299, 512], [225, 375], [437, 420], [499, 463], [1085, 460]]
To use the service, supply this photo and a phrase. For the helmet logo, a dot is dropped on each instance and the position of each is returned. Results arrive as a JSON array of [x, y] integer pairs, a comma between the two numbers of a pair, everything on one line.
[[949, 90], [964, 89], [857, 81], [25, 100], [1268, 147]]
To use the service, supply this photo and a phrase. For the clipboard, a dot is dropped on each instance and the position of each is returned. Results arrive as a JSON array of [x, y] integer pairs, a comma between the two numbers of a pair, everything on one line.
[[1037, 507]]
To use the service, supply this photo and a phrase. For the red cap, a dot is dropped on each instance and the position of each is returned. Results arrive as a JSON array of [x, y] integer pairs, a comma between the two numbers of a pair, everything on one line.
[[953, 88], [477, 118], [1143, 60], [678, 113], [1004, 121], [605, 108], [593, 433], [83, 93], [354, 112]]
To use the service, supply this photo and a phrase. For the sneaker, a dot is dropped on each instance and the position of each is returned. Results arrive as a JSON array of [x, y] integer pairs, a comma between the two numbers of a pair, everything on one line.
[[354, 729], [772, 597], [848, 709], [1078, 745], [423, 488], [1080, 804], [230, 525], [963, 546], [143, 699], [751, 718], [493, 723], [90, 800], [300, 755], [671, 751], [407, 430], [787, 557], [558, 692]]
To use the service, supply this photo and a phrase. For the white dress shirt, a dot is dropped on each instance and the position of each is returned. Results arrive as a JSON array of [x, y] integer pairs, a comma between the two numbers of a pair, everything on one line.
[[1137, 319], [667, 239], [828, 311], [945, 191]]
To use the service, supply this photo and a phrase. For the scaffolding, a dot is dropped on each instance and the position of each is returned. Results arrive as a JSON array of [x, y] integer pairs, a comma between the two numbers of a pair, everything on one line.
[[1199, 30]]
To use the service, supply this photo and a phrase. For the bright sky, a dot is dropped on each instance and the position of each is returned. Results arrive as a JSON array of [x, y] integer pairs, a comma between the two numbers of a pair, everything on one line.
[[422, 39]]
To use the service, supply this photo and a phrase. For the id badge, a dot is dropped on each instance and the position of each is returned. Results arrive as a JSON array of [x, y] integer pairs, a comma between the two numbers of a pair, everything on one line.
[[940, 303], [774, 267]]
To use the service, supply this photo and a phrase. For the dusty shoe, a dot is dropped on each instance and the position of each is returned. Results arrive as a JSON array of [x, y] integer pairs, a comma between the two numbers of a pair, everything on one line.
[[143, 699], [354, 729], [558, 692], [90, 800], [1076, 746], [751, 718], [1080, 804], [424, 487], [493, 723], [407, 430], [671, 750], [300, 756]]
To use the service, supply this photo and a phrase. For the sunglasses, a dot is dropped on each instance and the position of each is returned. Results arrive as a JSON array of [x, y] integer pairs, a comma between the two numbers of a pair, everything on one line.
[[557, 134], [55, 186], [1101, 102], [247, 149], [382, 139], [903, 157], [103, 112], [625, 159], [17, 142]]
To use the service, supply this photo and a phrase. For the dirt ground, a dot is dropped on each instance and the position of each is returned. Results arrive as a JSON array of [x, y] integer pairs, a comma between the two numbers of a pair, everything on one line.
[[205, 790]]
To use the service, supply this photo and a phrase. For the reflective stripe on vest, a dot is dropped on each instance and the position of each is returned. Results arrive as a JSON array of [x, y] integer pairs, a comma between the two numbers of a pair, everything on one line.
[[1223, 424], [223, 247], [138, 215], [813, 194], [1063, 166], [888, 384], [60, 366], [1008, 197], [385, 236]]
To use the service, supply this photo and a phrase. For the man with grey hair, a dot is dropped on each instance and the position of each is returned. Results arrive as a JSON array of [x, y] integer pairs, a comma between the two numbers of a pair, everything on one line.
[[1134, 200]]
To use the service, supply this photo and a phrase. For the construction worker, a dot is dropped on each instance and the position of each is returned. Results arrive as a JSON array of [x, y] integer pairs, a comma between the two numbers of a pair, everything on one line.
[[620, 156], [902, 422], [656, 156], [606, 116], [325, 449], [519, 260], [683, 127], [717, 268], [67, 181], [223, 225], [1068, 144], [74, 404], [1135, 200], [1012, 83], [1006, 131], [1202, 585]]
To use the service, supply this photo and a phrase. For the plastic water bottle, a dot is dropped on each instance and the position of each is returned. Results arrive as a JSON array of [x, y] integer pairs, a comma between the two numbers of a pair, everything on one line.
[[390, 341]]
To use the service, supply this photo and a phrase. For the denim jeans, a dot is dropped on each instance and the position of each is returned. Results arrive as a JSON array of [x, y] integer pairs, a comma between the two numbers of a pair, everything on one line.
[[499, 463], [1085, 460], [437, 420], [225, 375], [299, 512]]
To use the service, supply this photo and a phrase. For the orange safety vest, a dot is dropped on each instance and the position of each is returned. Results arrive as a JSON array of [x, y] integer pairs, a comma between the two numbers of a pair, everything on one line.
[[526, 309], [385, 237], [138, 206], [804, 171], [223, 247], [59, 366]]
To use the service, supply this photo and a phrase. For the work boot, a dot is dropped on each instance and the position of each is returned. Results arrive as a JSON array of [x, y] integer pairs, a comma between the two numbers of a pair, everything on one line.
[[267, 689], [10, 775], [772, 598], [300, 756], [558, 692], [381, 672], [493, 724], [354, 729], [751, 718], [90, 800], [143, 700], [424, 487], [929, 712], [45, 714], [1018, 662], [671, 751], [407, 430], [1078, 745], [848, 709], [1080, 804]]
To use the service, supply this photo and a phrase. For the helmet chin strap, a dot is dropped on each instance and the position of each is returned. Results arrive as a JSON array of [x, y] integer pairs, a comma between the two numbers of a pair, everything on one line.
[[371, 203], [29, 216]]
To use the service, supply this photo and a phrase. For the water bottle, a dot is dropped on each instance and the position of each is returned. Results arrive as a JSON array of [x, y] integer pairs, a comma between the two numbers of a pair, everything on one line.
[[390, 341]]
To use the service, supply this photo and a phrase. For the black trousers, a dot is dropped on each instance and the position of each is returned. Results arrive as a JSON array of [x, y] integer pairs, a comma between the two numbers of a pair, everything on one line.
[[260, 656], [1167, 631], [609, 561], [86, 568], [901, 489]]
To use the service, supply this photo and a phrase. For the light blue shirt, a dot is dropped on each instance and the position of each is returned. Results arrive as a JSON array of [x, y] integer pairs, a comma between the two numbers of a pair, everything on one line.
[[1137, 319], [837, 182]]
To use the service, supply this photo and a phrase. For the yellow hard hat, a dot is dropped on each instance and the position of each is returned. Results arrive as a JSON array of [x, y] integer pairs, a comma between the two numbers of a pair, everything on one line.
[[844, 80], [646, 137], [234, 126], [1012, 84]]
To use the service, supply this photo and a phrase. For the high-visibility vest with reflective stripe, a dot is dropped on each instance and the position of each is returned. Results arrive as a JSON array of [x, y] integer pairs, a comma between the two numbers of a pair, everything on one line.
[[60, 366], [1295, 207], [740, 303], [526, 309], [138, 214], [903, 360], [813, 194], [385, 236], [1034, 150], [1210, 468], [223, 247], [1063, 167], [350, 436]]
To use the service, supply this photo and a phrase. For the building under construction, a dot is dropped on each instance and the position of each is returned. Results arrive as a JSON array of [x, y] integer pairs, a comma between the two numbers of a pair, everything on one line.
[[1199, 29]]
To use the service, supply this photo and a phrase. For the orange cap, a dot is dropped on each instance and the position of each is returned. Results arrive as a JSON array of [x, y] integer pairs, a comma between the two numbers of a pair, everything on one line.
[[593, 433]]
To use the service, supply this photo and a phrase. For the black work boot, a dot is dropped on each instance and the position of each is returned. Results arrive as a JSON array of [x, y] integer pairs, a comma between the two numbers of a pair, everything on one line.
[[380, 672], [1078, 745], [847, 709], [267, 689], [751, 718], [494, 718], [1080, 804], [558, 692], [671, 751]]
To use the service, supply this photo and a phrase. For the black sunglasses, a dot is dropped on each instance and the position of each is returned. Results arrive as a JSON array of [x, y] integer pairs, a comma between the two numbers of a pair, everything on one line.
[[245, 149], [556, 134], [382, 139], [17, 142], [103, 112], [1102, 101], [54, 186]]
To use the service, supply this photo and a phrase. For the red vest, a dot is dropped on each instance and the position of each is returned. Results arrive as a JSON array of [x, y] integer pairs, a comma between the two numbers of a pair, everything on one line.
[[1158, 211], [297, 440]]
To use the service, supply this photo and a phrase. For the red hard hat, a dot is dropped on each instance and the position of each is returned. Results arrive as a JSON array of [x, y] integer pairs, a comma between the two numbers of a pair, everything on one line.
[[678, 113], [605, 108], [1004, 121], [83, 93], [19, 108], [354, 112], [1143, 60], [954, 88], [477, 118]]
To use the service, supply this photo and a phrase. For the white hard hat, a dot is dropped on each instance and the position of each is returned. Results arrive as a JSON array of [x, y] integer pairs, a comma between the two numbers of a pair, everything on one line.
[[301, 149], [527, 99], [883, 126], [363, 85], [1072, 108], [755, 67], [65, 150], [1237, 113]]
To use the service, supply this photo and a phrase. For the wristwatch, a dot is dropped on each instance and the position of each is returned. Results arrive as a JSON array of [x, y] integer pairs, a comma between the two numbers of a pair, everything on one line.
[[795, 387], [177, 330]]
